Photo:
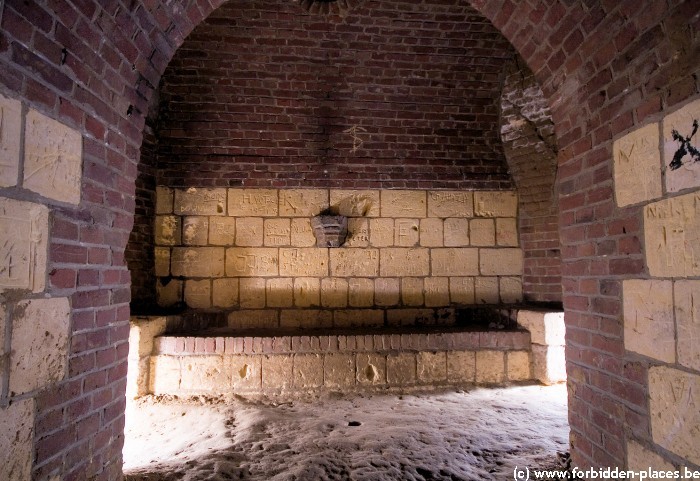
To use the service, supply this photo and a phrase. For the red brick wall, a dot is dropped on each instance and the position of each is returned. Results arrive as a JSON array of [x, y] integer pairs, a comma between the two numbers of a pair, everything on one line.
[[530, 146], [263, 94]]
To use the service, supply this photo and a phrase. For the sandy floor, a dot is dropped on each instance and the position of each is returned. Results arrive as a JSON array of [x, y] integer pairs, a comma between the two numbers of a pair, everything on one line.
[[481, 434]]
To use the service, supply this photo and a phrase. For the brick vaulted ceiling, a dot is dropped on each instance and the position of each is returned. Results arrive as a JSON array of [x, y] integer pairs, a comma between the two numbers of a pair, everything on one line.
[[392, 94]]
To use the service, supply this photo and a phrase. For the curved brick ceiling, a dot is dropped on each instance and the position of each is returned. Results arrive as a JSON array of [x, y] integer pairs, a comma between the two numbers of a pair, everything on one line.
[[394, 94]]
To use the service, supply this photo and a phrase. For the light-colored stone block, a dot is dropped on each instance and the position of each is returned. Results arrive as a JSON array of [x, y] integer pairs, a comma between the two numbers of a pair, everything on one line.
[[308, 371], [462, 290], [222, 231], [246, 372], [168, 231], [518, 366], [403, 203], [444, 204], [339, 371], [456, 232], [39, 352], [401, 368], [24, 229], [461, 366], [674, 408], [381, 232], [197, 261], [482, 232], [640, 458], [490, 366], [334, 292], [355, 203], [17, 440], [371, 369], [386, 291], [280, 292], [546, 328], [454, 262], [406, 232], [302, 234], [10, 139], [648, 318], [253, 319], [495, 204], [686, 296], [251, 293], [195, 231], [437, 291], [225, 292], [302, 202], [412, 291], [162, 261], [431, 232], [486, 290], [198, 293], [206, 373], [277, 232], [277, 372], [169, 292], [354, 262], [306, 318], [431, 367], [501, 262], [685, 171], [252, 262], [548, 364], [358, 317], [53, 158], [404, 262], [164, 376], [307, 292], [671, 233], [253, 202], [309, 262], [507, 232], [637, 166], [360, 292], [511, 289], [194, 201], [249, 231], [165, 198], [358, 233], [3, 359]]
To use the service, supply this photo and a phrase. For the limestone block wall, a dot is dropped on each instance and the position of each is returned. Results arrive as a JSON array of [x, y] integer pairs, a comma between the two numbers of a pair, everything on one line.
[[408, 254], [657, 169]]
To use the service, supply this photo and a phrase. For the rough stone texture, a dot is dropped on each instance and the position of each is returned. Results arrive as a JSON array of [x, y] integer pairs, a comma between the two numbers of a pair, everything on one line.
[[198, 293], [482, 232], [648, 318], [222, 231], [198, 262], [17, 441], [334, 292], [303, 262], [685, 172], [462, 290], [249, 231], [53, 158], [165, 198], [461, 366], [168, 230], [360, 292], [354, 262], [495, 204], [510, 289], [640, 458], [431, 367], [170, 293], [454, 262], [450, 204], [277, 372], [637, 161], [279, 292], [674, 411], [10, 141], [251, 292], [490, 366], [406, 232], [431, 232], [253, 319], [500, 262], [686, 298], [196, 201], [355, 203], [24, 232], [339, 371], [308, 371], [162, 261], [486, 290], [403, 203], [195, 231], [246, 372], [371, 369], [306, 318], [507, 232], [671, 230], [518, 366], [412, 291], [252, 202], [401, 262], [381, 232], [437, 292], [456, 233], [4, 321], [277, 232], [302, 203], [205, 374], [548, 364], [302, 235], [307, 292], [39, 353], [386, 291], [225, 292], [142, 333], [401, 368], [546, 328], [164, 376]]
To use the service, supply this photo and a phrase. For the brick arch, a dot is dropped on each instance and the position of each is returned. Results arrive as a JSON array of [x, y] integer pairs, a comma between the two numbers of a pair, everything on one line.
[[604, 69]]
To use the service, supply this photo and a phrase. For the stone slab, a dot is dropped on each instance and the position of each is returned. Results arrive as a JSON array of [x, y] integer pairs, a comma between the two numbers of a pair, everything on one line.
[[371, 369], [501, 262], [640, 458], [507, 232], [403, 203], [360, 292], [253, 319], [437, 291], [518, 366], [17, 440], [354, 262], [251, 292], [486, 290], [648, 318], [308, 371], [10, 140], [3, 357], [194, 201], [253, 202], [222, 231], [637, 166], [461, 366], [444, 204], [279, 292], [206, 373], [431, 232], [53, 158], [339, 371], [358, 317], [358, 233], [334, 292], [403, 262], [39, 353], [225, 292], [546, 328], [495, 204], [510, 289], [250, 231], [24, 228], [277, 372], [302, 202], [162, 261], [672, 236], [456, 232], [490, 367], [246, 372], [687, 174], [165, 200], [386, 291], [307, 292], [548, 364], [412, 291], [198, 293], [195, 230], [307, 262], [169, 292], [401, 368], [168, 230], [674, 408], [252, 262], [431, 367], [454, 262], [355, 203], [406, 232], [302, 234], [381, 232], [686, 295], [306, 318], [198, 261], [482, 232], [462, 290], [277, 232], [164, 377]]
